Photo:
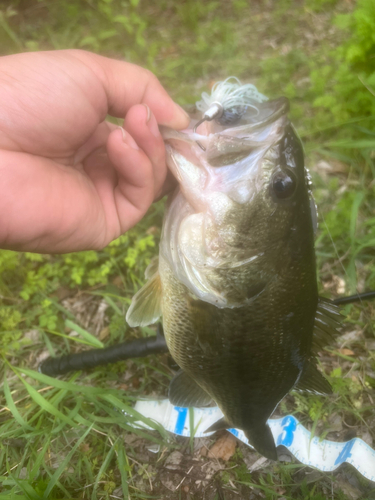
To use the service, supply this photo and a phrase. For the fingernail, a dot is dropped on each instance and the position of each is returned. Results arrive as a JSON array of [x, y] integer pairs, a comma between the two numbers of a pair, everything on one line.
[[128, 139], [152, 123], [148, 113]]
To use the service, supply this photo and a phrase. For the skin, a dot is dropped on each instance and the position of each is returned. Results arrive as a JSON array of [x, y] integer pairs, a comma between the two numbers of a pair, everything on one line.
[[69, 180]]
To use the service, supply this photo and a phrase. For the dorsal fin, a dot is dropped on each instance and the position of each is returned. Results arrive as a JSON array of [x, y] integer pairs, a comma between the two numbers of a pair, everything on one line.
[[327, 321], [311, 380], [184, 391], [145, 308]]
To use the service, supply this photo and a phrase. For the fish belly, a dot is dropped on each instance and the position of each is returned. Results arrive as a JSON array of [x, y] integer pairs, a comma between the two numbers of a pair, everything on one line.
[[247, 358]]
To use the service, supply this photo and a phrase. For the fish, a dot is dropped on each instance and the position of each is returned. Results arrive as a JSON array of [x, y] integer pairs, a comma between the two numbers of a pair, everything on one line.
[[235, 282]]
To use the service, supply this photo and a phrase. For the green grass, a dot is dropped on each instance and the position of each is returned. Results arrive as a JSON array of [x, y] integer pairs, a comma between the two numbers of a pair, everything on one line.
[[70, 438]]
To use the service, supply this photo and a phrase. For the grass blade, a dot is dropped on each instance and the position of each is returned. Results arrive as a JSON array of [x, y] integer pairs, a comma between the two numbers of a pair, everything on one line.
[[85, 334], [111, 303], [38, 461], [68, 337], [64, 464], [46, 405], [124, 468], [133, 413], [354, 215], [104, 466], [12, 407], [192, 430], [61, 384], [59, 307], [28, 490]]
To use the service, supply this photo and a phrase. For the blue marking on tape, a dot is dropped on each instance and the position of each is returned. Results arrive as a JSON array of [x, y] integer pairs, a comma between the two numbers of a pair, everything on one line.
[[287, 436], [345, 452], [234, 432], [181, 418]]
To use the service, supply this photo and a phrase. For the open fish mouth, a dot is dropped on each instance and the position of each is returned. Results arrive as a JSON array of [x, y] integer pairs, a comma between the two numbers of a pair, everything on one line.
[[252, 118], [225, 143], [237, 149], [254, 131]]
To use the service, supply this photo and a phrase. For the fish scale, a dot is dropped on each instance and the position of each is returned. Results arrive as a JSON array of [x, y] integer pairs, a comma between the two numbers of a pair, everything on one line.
[[236, 281], [241, 341]]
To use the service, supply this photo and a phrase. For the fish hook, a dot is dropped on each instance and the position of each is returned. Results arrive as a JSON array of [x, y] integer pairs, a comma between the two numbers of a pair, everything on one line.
[[215, 111]]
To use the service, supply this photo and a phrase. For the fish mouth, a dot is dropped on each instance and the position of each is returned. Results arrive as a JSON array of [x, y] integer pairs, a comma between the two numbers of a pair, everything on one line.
[[257, 131], [270, 111], [267, 113], [253, 119], [231, 161]]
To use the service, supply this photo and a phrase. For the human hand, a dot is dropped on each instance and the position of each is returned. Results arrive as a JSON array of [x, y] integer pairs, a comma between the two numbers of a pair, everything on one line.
[[69, 180]]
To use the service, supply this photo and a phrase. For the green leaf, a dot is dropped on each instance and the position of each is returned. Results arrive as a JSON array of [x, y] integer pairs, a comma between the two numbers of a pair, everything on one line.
[[85, 334]]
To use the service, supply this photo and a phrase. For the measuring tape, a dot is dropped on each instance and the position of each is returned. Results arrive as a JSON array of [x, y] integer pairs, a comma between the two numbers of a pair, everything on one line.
[[287, 431]]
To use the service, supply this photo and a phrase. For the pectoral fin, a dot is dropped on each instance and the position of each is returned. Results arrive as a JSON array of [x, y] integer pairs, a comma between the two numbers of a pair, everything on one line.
[[184, 391], [218, 426], [327, 321], [152, 268], [313, 381], [145, 308]]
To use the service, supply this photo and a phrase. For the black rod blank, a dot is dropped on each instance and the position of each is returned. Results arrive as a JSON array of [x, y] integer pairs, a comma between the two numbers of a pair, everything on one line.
[[138, 348], [358, 297]]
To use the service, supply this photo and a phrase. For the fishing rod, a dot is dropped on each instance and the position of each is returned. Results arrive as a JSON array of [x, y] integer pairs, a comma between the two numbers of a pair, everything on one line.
[[358, 297], [138, 348]]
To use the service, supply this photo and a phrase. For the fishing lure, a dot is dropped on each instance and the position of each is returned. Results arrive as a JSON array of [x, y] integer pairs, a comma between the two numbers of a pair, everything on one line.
[[228, 102]]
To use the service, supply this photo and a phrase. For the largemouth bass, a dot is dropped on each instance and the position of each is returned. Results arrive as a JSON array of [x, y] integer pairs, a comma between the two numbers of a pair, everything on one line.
[[235, 282]]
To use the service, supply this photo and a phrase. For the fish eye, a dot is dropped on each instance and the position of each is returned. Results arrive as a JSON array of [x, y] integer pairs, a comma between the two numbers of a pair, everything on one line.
[[283, 184]]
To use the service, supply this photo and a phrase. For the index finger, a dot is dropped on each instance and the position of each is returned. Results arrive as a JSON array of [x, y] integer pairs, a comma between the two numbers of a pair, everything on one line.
[[127, 84]]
